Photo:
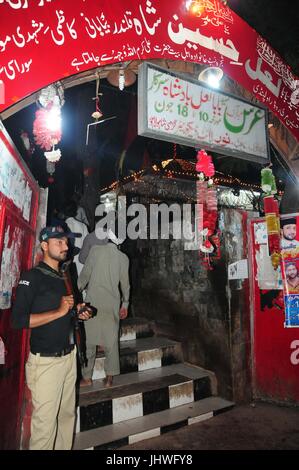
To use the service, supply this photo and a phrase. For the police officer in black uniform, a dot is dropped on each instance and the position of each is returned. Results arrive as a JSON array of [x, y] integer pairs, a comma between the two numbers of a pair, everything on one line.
[[43, 305]]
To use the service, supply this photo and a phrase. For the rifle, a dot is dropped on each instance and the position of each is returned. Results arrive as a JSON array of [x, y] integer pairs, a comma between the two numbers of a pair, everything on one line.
[[77, 329]]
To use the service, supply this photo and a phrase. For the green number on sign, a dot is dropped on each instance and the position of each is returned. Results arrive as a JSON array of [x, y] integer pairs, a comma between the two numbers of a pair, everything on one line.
[[203, 116], [183, 110]]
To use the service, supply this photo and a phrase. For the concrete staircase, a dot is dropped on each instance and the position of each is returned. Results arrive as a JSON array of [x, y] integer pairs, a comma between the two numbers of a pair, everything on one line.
[[156, 392]]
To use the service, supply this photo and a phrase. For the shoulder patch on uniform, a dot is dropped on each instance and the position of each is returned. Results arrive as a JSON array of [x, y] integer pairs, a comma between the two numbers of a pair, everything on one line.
[[24, 283]]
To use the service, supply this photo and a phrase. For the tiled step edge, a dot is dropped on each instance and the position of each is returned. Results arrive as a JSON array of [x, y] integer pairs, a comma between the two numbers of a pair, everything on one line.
[[135, 328], [105, 407], [134, 430], [134, 360]]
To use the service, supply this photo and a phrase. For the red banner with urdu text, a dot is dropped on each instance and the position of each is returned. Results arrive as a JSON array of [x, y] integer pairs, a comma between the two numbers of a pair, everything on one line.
[[43, 41]]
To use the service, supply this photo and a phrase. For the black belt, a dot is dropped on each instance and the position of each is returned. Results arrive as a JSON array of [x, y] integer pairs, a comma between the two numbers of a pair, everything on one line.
[[61, 353]]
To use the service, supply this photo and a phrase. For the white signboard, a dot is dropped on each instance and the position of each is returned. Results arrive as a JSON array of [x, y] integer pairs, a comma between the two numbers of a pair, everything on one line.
[[180, 109], [238, 270]]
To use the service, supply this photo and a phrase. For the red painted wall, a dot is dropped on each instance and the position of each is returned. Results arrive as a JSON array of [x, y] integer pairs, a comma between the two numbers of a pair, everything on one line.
[[275, 348], [18, 233]]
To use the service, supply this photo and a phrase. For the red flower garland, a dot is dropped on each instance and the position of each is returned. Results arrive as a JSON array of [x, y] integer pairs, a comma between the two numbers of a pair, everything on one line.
[[205, 164], [43, 136], [208, 198]]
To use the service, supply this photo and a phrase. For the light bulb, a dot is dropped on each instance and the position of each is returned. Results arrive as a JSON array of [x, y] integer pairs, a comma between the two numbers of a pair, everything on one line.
[[54, 119], [121, 80], [196, 7], [213, 81]]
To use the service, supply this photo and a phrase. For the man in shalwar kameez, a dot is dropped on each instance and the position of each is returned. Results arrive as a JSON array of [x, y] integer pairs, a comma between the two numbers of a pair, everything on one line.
[[105, 270]]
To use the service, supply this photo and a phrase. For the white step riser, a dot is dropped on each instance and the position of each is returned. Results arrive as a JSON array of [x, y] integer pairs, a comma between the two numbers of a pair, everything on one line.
[[150, 359], [128, 336], [131, 331], [130, 407]]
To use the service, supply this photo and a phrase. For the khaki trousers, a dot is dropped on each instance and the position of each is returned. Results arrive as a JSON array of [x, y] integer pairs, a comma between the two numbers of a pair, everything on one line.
[[51, 381]]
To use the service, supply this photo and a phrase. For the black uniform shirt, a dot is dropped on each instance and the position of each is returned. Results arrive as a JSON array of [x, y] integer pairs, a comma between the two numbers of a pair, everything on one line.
[[40, 290]]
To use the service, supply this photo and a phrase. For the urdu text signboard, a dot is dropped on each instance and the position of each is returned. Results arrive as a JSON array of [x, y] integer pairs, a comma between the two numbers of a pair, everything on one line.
[[179, 109]]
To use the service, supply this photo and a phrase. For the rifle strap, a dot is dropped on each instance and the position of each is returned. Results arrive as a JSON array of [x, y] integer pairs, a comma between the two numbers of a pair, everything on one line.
[[49, 273]]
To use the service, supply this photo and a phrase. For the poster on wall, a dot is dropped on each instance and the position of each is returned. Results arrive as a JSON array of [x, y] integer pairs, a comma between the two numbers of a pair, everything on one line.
[[15, 183], [267, 277], [11, 259], [275, 348], [290, 267]]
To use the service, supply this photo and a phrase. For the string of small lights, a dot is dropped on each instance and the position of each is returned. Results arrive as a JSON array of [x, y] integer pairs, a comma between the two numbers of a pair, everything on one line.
[[220, 179]]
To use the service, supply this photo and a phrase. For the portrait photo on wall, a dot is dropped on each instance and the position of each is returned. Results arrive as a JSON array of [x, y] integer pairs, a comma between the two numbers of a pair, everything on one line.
[[289, 229]]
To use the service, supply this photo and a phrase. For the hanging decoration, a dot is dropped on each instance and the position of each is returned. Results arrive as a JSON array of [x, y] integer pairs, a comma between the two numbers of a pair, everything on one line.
[[53, 156], [207, 197], [51, 171], [271, 209], [47, 127], [204, 165], [47, 124], [97, 114], [29, 146], [88, 171], [51, 93]]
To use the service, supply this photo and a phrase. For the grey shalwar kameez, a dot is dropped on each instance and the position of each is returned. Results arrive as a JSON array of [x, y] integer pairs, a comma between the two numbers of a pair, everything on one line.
[[105, 270]]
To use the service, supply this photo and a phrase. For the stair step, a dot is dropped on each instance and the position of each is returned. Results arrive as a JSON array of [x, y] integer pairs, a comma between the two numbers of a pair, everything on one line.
[[142, 354], [110, 406], [134, 430], [143, 392], [131, 389], [136, 328], [183, 368]]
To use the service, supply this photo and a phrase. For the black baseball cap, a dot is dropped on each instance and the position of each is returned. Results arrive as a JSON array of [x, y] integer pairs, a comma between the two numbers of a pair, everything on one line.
[[288, 221], [56, 232]]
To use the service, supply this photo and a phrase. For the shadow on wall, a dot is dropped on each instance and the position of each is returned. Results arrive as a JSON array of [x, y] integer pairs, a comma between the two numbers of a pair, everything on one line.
[[290, 199], [203, 336]]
